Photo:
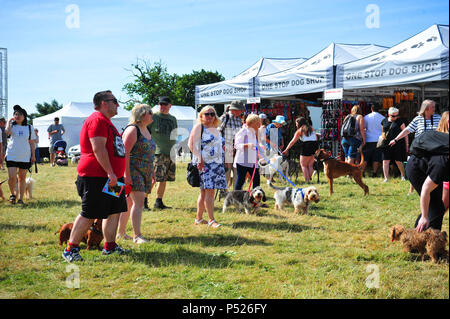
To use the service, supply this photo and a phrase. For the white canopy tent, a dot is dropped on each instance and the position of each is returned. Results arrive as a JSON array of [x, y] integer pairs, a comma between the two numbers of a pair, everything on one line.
[[419, 59], [72, 116], [314, 75], [241, 86]]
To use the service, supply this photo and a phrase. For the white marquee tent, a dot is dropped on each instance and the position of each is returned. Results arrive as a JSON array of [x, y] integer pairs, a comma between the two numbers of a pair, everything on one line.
[[419, 59], [314, 75], [240, 87], [72, 116]]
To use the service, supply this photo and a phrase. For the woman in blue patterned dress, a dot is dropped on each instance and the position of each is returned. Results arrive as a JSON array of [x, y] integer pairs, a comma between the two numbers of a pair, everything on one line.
[[139, 171], [207, 146]]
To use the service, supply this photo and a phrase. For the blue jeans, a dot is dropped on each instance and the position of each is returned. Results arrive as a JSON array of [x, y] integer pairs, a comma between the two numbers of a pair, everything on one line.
[[350, 145]]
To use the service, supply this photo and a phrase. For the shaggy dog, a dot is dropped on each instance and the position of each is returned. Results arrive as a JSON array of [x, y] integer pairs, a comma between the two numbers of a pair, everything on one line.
[[29, 184], [334, 168], [276, 162], [242, 200], [300, 197], [432, 242], [92, 238]]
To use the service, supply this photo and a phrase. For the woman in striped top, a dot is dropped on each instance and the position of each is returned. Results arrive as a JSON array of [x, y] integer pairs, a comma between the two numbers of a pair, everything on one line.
[[425, 121]]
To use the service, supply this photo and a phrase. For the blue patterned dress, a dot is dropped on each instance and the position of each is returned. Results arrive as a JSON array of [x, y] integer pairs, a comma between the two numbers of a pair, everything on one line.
[[213, 176]]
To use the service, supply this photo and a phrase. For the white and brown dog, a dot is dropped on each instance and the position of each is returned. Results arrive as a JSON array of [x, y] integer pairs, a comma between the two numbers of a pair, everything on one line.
[[243, 201], [275, 163], [299, 197], [29, 185]]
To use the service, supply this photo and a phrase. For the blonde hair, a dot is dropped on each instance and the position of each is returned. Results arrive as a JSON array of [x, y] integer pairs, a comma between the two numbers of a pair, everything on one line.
[[443, 123], [138, 112], [252, 118], [216, 122], [356, 110], [424, 106]]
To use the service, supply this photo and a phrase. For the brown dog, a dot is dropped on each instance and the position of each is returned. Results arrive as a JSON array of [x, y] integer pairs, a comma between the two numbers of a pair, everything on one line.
[[432, 242], [1, 191], [334, 168], [92, 238]]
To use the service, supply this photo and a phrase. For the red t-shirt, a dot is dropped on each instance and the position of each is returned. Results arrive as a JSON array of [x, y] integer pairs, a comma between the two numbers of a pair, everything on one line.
[[94, 126]]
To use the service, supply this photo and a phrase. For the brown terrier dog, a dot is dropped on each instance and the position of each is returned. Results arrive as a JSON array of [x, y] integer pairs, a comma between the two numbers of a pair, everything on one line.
[[334, 168], [431, 241], [92, 238]]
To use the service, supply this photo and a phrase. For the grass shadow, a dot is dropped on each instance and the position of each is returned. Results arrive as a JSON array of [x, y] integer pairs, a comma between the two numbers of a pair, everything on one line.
[[66, 203], [184, 257], [31, 228], [215, 240], [273, 226]]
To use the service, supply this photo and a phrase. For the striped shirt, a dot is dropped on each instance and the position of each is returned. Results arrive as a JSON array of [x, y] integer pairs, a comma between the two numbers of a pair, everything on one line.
[[230, 127], [418, 124]]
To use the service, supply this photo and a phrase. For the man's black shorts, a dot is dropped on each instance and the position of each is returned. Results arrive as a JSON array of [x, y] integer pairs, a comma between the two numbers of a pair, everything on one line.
[[21, 165], [371, 152], [95, 203]]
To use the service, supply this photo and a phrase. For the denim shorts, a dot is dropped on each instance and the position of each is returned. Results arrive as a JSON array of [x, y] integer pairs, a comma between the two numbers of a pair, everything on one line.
[[350, 145]]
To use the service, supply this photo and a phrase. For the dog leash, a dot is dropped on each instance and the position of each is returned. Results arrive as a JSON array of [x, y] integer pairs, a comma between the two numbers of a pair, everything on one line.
[[268, 161]]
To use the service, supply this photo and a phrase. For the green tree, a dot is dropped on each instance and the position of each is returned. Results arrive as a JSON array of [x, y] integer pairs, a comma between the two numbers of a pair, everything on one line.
[[45, 108], [184, 90], [151, 80]]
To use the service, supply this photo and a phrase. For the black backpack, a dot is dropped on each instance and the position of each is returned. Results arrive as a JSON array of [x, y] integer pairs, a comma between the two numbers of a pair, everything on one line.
[[430, 143], [349, 127]]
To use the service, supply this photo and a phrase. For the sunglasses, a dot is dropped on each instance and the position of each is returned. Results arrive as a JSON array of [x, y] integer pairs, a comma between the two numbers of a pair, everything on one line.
[[394, 115], [114, 100], [209, 114]]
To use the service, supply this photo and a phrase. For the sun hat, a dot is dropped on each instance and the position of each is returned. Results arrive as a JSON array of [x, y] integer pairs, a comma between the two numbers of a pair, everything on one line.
[[262, 116], [279, 119], [236, 105]]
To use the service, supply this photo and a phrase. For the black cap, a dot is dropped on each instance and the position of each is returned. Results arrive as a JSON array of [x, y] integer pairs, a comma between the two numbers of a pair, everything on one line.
[[56, 119], [164, 100]]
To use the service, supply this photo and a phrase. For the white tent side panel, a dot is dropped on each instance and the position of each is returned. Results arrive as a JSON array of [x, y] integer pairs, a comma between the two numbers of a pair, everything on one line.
[[421, 58]]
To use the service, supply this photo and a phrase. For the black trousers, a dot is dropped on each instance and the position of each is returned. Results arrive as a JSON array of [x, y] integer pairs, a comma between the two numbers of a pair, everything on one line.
[[416, 170], [242, 172]]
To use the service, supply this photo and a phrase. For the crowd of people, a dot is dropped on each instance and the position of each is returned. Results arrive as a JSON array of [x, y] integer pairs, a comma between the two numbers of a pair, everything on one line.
[[226, 151]]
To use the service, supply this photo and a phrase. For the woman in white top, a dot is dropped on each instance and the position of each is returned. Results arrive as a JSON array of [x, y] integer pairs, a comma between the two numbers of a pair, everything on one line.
[[306, 133], [245, 160], [20, 152]]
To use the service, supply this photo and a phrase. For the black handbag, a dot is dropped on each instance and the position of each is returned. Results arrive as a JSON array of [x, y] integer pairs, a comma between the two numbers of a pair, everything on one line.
[[193, 175]]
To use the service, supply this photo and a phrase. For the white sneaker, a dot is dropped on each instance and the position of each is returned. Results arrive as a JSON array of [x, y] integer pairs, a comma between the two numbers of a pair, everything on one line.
[[385, 180], [140, 240], [403, 178]]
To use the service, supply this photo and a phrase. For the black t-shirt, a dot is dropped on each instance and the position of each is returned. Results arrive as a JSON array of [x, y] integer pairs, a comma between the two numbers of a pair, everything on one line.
[[395, 130], [438, 168]]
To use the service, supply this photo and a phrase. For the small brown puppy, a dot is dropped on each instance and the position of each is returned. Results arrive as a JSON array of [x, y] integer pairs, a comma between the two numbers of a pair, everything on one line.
[[92, 238], [334, 168], [1, 191], [431, 242]]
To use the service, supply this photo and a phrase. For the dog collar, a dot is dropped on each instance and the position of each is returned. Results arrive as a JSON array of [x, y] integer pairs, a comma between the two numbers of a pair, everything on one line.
[[96, 230], [253, 202]]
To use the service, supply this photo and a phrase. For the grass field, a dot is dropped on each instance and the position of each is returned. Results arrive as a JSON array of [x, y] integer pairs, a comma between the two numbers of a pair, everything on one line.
[[341, 250]]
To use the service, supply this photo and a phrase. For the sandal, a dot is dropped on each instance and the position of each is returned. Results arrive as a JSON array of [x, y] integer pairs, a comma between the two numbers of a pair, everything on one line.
[[124, 236], [12, 199], [214, 224], [200, 222]]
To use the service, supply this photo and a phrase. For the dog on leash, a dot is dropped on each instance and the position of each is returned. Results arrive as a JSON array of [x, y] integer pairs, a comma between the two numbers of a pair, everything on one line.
[[301, 198], [243, 201], [335, 168], [92, 238], [431, 242], [275, 163], [29, 185], [293, 169]]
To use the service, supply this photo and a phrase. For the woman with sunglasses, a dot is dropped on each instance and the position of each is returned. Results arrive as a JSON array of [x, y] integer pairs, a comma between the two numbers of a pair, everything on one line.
[[207, 146], [392, 126]]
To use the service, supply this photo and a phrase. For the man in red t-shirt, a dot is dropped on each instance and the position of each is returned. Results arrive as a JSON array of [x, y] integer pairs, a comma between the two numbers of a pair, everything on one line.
[[102, 159]]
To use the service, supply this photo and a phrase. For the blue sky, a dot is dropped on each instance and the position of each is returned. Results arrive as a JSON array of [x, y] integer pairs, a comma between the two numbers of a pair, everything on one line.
[[49, 60]]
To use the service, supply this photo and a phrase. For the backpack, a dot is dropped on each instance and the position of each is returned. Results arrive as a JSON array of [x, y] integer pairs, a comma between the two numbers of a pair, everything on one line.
[[349, 127], [430, 143]]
